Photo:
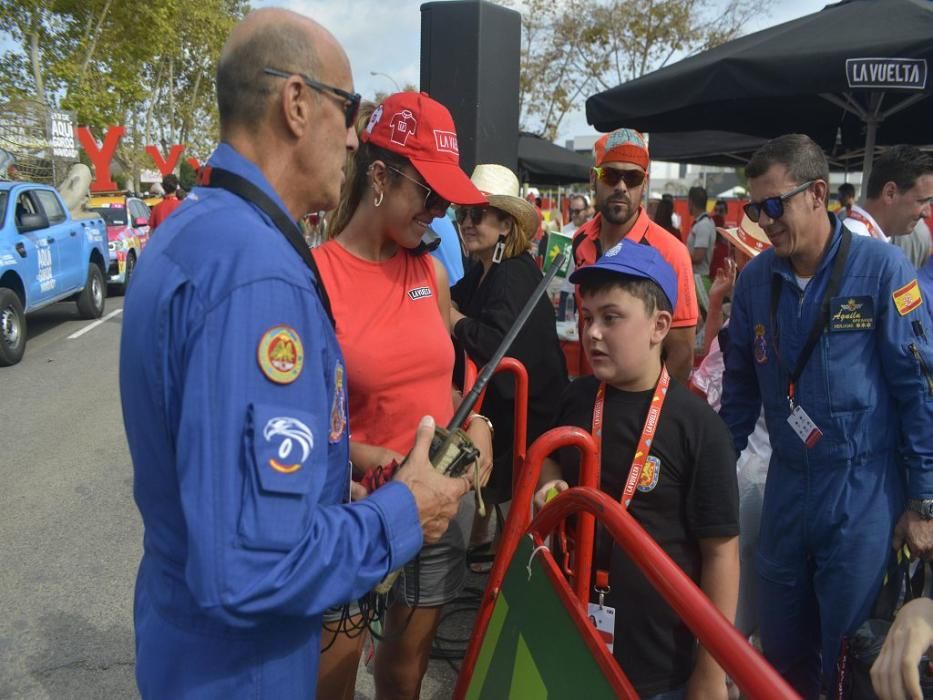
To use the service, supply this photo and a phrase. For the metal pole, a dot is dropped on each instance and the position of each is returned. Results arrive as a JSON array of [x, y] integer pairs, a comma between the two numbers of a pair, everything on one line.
[[872, 122]]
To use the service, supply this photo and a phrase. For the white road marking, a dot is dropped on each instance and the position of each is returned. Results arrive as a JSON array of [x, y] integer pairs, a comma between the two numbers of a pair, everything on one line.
[[92, 326]]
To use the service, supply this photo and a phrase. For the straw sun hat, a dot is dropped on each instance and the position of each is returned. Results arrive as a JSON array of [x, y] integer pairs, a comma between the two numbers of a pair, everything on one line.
[[747, 237], [500, 185]]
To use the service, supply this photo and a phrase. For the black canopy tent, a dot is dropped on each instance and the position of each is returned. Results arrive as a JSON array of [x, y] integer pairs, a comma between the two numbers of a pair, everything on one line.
[[727, 149], [703, 147], [541, 162], [851, 76]]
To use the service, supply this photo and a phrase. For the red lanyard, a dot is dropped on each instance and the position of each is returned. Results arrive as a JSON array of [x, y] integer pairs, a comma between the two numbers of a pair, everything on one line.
[[647, 432], [641, 454], [872, 229]]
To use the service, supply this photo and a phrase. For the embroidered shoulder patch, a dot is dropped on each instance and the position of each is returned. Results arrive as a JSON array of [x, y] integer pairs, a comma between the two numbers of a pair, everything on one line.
[[338, 410], [907, 298], [290, 441], [281, 354]]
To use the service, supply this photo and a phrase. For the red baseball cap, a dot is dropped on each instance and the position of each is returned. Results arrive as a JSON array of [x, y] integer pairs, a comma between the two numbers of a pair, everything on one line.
[[413, 125]]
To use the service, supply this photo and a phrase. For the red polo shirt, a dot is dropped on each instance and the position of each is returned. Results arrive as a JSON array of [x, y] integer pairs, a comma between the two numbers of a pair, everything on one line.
[[587, 248]]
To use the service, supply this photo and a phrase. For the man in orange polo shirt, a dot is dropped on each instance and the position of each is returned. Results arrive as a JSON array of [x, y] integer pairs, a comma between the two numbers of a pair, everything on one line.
[[619, 182]]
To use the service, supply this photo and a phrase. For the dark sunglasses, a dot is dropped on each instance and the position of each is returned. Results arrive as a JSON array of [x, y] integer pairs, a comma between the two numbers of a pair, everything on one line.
[[432, 200], [773, 206], [350, 110], [574, 212], [612, 176], [476, 214]]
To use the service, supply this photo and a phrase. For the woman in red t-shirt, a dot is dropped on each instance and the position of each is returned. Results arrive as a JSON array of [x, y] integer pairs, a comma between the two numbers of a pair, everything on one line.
[[391, 304]]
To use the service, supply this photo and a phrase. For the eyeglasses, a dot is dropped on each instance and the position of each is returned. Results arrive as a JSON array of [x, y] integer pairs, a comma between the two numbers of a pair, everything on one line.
[[351, 108], [432, 200], [574, 212], [476, 214], [612, 176], [773, 206]]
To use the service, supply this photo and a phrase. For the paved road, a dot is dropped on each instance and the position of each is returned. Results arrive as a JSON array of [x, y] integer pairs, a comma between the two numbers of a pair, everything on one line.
[[70, 532], [71, 535]]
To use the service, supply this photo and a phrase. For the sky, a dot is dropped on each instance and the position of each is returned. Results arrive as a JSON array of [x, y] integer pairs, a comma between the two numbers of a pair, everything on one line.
[[385, 38]]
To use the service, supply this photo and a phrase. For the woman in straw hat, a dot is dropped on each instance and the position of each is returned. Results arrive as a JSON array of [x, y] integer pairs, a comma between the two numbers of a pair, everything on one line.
[[745, 242], [390, 302], [487, 301]]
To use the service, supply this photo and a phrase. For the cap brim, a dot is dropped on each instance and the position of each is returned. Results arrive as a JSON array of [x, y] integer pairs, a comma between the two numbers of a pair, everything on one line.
[[730, 235], [450, 182], [582, 272]]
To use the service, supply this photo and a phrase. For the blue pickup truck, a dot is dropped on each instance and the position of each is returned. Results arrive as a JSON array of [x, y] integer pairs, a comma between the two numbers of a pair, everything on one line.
[[47, 254]]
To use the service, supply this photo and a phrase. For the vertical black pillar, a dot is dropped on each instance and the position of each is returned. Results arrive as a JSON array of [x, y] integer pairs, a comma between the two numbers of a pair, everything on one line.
[[470, 57]]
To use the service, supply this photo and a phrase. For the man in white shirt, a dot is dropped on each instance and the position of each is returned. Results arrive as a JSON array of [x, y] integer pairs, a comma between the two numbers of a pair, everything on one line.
[[578, 214], [899, 194], [700, 242]]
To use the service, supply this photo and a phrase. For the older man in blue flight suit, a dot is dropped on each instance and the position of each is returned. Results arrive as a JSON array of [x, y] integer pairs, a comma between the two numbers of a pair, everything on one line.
[[234, 399], [844, 418]]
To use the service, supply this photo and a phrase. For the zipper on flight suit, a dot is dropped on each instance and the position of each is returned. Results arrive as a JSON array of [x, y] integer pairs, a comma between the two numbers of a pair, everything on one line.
[[924, 369]]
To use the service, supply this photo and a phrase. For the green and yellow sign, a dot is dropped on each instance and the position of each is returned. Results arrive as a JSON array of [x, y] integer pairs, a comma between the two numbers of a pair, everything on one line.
[[533, 647]]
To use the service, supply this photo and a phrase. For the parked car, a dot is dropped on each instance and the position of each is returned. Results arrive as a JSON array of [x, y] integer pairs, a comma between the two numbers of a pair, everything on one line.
[[47, 254], [127, 220]]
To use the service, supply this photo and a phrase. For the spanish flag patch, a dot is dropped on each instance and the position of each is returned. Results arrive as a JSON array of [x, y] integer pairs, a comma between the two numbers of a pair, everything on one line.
[[907, 298]]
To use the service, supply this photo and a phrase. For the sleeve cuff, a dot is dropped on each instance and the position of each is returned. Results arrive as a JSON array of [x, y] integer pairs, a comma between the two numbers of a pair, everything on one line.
[[396, 507], [920, 487]]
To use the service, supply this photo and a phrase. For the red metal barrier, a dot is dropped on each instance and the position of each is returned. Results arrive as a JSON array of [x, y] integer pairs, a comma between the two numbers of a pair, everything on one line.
[[469, 379], [520, 425], [753, 675], [517, 522], [750, 671]]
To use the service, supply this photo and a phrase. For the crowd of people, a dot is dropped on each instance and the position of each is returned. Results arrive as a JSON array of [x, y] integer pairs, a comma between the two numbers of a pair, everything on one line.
[[285, 377]]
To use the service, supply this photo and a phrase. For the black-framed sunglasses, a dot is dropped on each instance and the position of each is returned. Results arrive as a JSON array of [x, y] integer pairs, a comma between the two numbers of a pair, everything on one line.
[[432, 200], [574, 212], [351, 108], [612, 176], [476, 214], [773, 206]]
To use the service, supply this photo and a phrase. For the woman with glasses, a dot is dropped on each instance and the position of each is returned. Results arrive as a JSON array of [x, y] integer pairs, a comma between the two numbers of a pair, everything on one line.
[[487, 301], [390, 302]]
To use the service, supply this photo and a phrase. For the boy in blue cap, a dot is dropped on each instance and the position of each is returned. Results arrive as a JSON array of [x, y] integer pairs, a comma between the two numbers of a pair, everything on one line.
[[666, 455]]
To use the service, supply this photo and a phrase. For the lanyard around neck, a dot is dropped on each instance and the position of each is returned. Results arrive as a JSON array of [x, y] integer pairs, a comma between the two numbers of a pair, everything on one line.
[[819, 323], [638, 462], [647, 432]]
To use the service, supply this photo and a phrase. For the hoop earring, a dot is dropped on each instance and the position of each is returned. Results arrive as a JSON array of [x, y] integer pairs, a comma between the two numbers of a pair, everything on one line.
[[499, 251], [377, 202]]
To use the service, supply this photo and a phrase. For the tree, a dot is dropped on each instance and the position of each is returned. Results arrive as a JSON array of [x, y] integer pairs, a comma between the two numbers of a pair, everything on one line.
[[574, 48], [148, 66]]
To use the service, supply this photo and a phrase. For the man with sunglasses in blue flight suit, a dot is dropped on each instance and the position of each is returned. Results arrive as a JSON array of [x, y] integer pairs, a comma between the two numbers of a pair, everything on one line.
[[234, 397], [827, 332]]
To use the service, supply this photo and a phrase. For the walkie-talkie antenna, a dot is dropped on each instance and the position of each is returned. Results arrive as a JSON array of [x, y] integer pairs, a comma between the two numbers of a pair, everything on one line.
[[466, 405]]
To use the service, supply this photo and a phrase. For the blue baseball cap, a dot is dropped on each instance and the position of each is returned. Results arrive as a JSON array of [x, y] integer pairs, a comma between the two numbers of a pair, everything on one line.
[[636, 260]]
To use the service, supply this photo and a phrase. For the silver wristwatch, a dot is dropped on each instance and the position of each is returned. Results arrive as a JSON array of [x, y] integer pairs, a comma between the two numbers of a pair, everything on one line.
[[924, 508]]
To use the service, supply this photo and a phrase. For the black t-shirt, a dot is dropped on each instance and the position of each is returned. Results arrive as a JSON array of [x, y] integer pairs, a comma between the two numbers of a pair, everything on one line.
[[695, 496]]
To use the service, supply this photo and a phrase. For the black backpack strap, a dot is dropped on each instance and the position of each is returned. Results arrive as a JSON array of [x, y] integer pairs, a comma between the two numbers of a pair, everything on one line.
[[243, 188]]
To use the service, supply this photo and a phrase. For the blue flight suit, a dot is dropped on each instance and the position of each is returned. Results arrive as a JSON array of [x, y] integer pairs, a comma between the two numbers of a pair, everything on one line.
[[234, 400], [829, 511]]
